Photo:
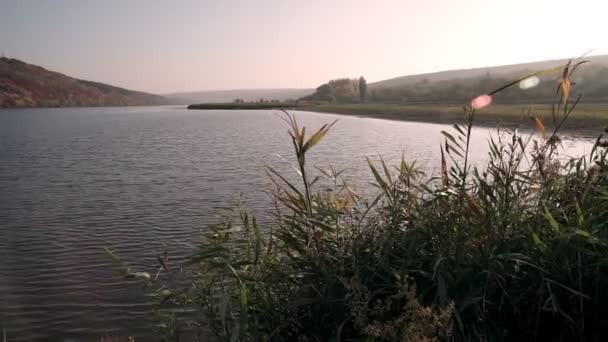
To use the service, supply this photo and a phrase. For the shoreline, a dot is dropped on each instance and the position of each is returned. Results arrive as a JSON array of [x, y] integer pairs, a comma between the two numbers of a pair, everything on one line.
[[244, 106], [587, 117]]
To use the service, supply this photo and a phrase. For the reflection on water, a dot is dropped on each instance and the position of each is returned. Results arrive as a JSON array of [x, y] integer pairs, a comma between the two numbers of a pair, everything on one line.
[[73, 181]]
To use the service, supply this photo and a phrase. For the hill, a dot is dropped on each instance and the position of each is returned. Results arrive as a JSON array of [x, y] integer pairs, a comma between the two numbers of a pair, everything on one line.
[[458, 86], [28, 85], [591, 80], [512, 70], [247, 95]]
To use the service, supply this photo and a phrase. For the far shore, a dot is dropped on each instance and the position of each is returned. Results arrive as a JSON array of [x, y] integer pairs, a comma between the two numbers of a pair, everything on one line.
[[246, 105], [586, 116]]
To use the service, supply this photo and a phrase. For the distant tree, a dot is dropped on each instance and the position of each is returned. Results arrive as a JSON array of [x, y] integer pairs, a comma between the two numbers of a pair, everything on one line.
[[325, 92], [362, 88], [355, 85], [345, 89], [238, 100]]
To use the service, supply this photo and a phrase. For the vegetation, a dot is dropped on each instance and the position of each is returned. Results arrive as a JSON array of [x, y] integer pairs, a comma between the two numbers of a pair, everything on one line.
[[515, 249], [456, 86], [251, 105], [27, 85], [588, 115], [438, 96], [343, 90], [591, 80], [362, 89]]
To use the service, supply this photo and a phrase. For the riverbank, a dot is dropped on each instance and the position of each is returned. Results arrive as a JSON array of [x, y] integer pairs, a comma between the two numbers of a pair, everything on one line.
[[247, 106], [586, 115]]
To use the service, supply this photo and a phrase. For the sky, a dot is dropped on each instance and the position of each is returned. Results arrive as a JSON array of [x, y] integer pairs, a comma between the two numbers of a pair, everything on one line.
[[191, 45]]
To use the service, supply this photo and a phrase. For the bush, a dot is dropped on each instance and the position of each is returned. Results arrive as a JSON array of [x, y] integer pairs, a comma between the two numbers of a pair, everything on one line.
[[516, 249]]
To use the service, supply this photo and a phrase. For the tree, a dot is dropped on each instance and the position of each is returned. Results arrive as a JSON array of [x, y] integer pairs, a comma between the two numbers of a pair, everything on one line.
[[325, 92], [362, 88], [345, 89]]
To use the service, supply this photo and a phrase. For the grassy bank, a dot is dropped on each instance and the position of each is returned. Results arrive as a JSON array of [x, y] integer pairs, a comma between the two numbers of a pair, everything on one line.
[[588, 115]]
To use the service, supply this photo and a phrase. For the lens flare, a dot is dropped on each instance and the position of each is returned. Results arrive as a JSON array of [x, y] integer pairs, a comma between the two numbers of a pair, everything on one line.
[[481, 101], [529, 82]]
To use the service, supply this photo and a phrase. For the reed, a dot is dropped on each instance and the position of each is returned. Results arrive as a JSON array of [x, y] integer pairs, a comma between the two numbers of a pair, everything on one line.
[[513, 249]]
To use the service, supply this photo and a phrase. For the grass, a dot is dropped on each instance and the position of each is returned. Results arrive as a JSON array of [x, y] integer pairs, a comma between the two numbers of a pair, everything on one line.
[[588, 115], [516, 249]]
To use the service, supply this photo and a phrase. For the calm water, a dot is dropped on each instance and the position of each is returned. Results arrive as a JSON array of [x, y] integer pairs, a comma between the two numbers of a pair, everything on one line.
[[73, 181]]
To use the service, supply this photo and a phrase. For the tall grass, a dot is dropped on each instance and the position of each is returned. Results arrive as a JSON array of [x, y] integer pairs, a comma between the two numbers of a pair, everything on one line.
[[514, 249]]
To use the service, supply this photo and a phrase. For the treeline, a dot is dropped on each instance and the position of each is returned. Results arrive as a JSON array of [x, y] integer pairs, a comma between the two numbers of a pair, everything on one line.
[[344, 90], [263, 100]]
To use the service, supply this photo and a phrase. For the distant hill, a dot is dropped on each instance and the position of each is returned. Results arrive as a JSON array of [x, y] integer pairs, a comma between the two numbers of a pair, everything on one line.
[[458, 86], [248, 95], [512, 70], [28, 85], [591, 80]]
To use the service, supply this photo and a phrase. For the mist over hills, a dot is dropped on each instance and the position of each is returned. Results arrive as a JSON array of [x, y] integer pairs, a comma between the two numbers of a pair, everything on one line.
[[248, 95]]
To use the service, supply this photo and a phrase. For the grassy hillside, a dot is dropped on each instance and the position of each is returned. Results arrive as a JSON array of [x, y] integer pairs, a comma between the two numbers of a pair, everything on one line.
[[27, 85], [591, 80], [508, 71]]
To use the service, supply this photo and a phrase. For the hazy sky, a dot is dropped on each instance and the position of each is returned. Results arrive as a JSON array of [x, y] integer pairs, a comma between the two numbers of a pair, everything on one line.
[[183, 45]]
